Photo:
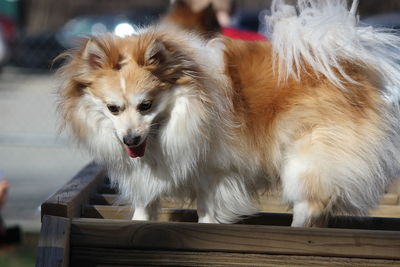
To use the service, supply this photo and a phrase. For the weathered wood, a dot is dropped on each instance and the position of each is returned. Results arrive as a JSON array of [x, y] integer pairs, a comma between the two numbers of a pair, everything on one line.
[[386, 211], [69, 200], [126, 212], [388, 207], [53, 246], [390, 199], [255, 241], [108, 189], [120, 234], [395, 187], [181, 215], [263, 218], [108, 212], [87, 257], [116, 200], [106, 199]]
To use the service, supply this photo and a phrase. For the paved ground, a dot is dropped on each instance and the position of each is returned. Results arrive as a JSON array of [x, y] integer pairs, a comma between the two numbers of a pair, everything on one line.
[[35, 159]]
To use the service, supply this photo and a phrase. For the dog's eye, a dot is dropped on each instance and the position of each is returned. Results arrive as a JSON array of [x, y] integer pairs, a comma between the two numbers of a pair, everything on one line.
[[114, 109], [145, 105]]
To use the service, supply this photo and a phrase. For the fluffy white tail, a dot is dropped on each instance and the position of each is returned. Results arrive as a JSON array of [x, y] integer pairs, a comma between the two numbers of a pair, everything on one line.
[[323, 33]]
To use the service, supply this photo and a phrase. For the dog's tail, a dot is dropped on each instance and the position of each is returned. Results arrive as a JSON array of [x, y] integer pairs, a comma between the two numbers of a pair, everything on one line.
[[322, 34]]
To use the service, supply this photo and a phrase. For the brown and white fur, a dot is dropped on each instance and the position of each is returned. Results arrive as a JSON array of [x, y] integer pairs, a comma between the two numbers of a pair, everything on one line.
[[230, 118]]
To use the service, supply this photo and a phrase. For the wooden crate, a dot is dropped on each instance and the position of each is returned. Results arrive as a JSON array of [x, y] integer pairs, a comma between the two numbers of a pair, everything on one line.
[[81, 226]]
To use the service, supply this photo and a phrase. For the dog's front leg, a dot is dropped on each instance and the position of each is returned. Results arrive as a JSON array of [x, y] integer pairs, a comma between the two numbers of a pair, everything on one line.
[[140, 214], [205, 210], [146, 213]]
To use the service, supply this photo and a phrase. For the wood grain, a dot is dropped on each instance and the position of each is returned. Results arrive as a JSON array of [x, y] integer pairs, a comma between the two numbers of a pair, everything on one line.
[[388, 207], [121, 234], [108, 189], [263, 218], [108, 199], [69, 200], [53, 246], [86, 257], [390, 199], [395, 187], [386, 211]]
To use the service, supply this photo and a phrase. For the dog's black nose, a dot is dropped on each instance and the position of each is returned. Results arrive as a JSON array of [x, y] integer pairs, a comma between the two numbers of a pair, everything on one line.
[[131, 140]]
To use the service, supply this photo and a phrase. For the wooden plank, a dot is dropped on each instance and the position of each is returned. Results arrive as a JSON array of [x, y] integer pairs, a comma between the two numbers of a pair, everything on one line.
[[126, 213], [264, 201], [69, 200], [121, 234], [108, 212], [395, 187], [389, 205], [53, 246], [182, 215], [263, 218], [85, 257], [386, 211], [115, 199], [108, 199], [390, 199], [108, 189]]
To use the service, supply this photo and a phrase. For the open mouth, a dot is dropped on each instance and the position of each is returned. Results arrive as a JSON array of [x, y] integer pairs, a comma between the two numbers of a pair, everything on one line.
[[136, 151]]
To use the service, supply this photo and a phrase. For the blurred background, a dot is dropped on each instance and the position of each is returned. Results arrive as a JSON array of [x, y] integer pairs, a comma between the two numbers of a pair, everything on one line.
[[34, 157]]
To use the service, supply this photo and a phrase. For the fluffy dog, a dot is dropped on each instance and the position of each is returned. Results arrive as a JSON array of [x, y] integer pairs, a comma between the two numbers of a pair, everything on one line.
[[313, 111]]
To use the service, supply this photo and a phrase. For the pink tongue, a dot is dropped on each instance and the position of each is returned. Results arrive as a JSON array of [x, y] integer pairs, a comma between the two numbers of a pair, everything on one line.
[[137, 151]]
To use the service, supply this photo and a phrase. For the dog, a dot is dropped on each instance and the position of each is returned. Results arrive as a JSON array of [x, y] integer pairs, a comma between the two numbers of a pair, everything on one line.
[[204, 22], [313, 112]]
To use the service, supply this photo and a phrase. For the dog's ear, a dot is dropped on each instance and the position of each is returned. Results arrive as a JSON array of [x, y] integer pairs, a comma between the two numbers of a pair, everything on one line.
[[94, 55], [169, 62], [102, 53], [156, 54]]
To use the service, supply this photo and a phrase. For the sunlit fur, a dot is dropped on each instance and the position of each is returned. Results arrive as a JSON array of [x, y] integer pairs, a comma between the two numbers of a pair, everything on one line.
[[224, 126], [325, 33]]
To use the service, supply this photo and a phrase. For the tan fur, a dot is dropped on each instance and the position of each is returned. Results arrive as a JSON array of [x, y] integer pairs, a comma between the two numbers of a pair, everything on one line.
[[130, 61], [297, 117]]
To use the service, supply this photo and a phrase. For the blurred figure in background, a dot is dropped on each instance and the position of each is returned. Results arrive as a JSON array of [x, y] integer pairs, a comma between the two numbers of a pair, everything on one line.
[[189, 15], [3, 51], [12, 235], [208, 18], [4, 185]]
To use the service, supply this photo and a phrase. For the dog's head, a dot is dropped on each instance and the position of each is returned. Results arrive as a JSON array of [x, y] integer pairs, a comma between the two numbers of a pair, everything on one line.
[[129, 83]]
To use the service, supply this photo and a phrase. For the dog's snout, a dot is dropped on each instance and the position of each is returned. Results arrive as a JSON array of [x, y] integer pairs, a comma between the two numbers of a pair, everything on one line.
[[132, 140]]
